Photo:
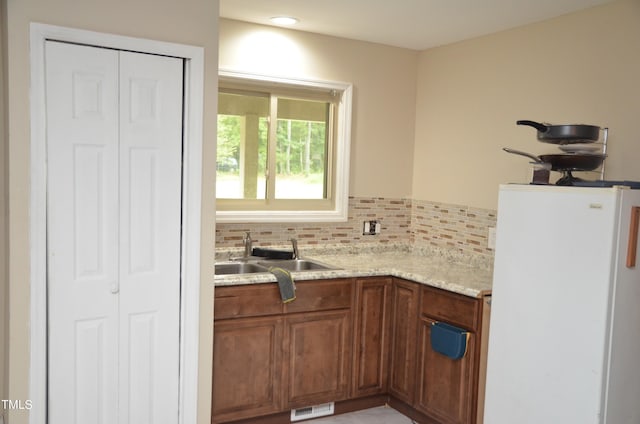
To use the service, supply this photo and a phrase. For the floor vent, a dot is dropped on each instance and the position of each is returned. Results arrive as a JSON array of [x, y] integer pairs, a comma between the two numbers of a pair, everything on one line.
[[312, 412]]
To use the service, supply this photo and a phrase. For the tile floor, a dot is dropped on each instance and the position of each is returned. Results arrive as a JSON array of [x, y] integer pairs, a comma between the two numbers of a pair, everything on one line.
[[379, 415]]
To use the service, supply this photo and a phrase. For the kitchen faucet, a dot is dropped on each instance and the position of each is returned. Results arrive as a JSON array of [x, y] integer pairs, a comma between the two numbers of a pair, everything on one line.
[[247, 242], [294, 243]]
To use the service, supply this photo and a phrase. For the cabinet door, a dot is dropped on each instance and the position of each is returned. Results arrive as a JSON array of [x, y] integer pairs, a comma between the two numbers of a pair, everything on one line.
[[405, 299], [317, 357], [371, 336], [246, 368], [445, 386]]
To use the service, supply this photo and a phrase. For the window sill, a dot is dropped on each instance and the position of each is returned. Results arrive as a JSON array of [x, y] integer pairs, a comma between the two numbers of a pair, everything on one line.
[[337, 215]]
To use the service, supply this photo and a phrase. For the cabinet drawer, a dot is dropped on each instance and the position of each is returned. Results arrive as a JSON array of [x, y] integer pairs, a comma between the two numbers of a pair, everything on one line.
[[450, 307], [247, 301], [322, 295]]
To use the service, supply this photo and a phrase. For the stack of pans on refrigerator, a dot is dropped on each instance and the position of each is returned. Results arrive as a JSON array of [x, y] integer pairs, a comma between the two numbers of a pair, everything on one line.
[[580, 147]]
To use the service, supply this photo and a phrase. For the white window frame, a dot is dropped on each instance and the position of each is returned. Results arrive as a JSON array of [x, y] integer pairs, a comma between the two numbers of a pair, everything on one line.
[[342, 146]]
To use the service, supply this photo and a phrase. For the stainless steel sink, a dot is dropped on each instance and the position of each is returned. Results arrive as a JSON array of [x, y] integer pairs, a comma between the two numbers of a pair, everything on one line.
[[243, 267], [227, 268], [296, 265]]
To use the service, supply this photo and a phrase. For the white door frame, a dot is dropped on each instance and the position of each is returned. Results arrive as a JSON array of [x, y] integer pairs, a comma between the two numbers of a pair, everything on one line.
[[191, 200]]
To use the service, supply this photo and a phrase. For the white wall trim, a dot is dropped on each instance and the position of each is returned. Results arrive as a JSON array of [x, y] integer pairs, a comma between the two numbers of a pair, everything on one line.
[[191, 204]]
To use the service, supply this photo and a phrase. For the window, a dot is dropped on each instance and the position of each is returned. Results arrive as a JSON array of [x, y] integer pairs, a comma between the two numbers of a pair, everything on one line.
[[282, 149]]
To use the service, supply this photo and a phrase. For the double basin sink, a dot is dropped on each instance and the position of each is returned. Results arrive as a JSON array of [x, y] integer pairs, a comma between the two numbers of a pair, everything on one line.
[[251, 266]]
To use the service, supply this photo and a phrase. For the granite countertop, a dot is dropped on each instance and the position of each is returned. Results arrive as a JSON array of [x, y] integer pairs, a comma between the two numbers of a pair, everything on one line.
[[468, 276]]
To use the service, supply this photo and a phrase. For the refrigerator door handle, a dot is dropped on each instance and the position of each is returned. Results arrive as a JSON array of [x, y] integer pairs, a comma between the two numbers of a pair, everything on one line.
[[633, 237]]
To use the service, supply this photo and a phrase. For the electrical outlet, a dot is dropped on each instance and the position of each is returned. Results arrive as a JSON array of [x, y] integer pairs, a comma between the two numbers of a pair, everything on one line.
[[491, 242], [371, 228]]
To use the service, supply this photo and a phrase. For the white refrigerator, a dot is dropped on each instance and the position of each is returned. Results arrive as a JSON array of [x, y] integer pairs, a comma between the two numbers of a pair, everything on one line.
[[564, 339]]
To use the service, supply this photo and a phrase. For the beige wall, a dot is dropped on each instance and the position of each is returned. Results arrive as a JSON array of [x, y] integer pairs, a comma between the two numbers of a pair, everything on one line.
[[463, 99], [384, 93], [189, 22], [4, 306], [579, 68]]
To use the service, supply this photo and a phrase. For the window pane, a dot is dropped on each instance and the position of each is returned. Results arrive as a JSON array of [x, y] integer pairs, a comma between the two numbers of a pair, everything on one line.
[[242, 146], [301, 149]]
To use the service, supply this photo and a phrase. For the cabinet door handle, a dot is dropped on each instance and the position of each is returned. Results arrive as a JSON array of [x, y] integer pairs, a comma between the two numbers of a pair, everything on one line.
[[633, 237]]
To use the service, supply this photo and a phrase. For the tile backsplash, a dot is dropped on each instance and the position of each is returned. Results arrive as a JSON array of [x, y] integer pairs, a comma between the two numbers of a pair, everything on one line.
[[415, 222], [393, 214], [461, 228]]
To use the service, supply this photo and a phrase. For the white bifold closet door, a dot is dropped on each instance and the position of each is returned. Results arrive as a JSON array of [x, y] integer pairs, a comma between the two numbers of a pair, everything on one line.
[[114, 153]]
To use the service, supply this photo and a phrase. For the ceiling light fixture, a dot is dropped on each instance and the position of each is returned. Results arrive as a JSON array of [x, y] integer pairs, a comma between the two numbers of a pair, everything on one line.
[[284, 20]]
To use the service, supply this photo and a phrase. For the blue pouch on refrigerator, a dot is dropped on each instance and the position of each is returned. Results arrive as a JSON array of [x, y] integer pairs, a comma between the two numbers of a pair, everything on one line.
[[449, 340]]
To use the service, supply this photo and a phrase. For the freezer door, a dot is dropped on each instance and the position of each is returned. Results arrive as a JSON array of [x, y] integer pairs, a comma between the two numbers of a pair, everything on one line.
[[550, 306]]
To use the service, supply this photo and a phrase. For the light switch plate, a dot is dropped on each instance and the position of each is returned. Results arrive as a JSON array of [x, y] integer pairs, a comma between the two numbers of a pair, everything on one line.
[[491, 242]]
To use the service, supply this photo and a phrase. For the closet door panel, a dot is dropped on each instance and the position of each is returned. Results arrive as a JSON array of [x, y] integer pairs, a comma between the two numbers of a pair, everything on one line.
[[150, 216], [82, 233]]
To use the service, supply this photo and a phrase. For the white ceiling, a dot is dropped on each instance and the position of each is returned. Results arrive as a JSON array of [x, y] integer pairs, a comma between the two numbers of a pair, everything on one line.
[[413, 24]]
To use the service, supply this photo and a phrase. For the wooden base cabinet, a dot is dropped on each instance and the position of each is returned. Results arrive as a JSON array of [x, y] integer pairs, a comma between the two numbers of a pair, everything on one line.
[[247, 361], [445, 385], [372, 329], [270, 357], [447, 389], [431, 387], [316, 360], [355, 340], [404, 323]]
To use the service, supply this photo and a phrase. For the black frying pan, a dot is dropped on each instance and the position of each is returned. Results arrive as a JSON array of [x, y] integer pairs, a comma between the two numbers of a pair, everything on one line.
[[564, 134], [565, 162]]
